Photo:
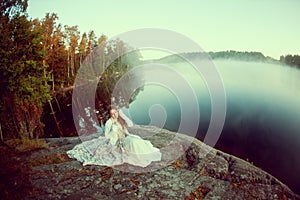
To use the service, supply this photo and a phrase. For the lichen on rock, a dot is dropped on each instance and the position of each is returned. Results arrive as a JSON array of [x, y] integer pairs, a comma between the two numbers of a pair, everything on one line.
[[181, 174]]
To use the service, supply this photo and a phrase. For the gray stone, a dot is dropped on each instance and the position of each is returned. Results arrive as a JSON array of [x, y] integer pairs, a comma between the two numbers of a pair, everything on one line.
[[183, 173]]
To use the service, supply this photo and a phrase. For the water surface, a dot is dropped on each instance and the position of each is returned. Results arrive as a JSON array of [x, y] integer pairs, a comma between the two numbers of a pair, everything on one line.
[[263, 113]]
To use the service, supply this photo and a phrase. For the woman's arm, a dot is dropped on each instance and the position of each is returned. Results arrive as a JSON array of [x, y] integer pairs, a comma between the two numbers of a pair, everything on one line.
[[108, 125], [112, 136]]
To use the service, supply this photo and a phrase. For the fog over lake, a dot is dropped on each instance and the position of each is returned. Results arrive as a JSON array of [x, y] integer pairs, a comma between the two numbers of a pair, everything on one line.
[[262, 119]]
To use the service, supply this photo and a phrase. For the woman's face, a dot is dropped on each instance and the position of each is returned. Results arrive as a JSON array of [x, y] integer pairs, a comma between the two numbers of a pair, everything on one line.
[[114, 113]]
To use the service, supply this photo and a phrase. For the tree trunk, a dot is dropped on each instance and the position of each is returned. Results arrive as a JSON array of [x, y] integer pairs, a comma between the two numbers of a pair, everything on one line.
[[57, 103], [53, 84], [1, 135], [68, 67], [55, 119], [72, 65]]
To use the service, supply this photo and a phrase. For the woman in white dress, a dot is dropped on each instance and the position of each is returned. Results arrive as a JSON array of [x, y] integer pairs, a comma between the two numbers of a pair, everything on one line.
[[118, 146]]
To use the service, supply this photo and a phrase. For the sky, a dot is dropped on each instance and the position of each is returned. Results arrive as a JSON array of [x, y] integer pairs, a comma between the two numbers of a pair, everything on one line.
[[267, 26]]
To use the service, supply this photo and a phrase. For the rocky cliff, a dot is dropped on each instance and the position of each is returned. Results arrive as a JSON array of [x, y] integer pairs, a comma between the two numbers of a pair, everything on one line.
[[182, 174]]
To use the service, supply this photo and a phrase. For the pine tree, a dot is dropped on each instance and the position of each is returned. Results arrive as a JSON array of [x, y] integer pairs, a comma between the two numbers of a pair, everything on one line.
[[23, 75], [55, 49], [72, 35]]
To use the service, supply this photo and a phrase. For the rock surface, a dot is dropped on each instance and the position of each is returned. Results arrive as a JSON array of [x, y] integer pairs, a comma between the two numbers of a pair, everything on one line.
[[182, 173]]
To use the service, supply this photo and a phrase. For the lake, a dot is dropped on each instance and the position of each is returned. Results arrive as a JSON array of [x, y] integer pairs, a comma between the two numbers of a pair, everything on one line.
[[262, 121]]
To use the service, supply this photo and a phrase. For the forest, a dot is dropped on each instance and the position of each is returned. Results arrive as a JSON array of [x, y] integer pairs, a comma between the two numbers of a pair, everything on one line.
[[40, 59], [291, 60]]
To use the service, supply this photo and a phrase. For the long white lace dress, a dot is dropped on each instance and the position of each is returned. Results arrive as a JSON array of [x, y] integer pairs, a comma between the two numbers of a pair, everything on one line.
[[118, 146]]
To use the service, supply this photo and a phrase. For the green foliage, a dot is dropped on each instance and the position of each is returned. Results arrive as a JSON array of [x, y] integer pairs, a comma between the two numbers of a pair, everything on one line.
[[94, 69], [23, 76], [292, 60], [13, 7], [233, 55], [53, 44], [245, 56], [117, 69], [37, 55]]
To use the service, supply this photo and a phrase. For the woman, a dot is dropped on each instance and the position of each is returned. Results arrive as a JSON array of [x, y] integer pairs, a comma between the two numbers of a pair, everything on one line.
[[118, 146], [136, 151]]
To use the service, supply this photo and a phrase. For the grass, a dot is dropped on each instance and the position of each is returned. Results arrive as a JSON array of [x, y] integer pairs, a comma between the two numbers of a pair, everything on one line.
[[49, 159], [25, 145]]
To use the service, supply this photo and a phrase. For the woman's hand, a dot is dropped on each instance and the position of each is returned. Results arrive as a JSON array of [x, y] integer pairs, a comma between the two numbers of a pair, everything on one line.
[[121, 135]]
